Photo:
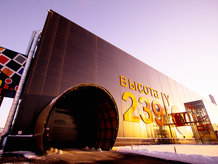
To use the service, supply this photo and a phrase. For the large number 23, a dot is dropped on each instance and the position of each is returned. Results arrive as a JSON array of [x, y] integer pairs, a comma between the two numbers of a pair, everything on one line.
[[128, 115]]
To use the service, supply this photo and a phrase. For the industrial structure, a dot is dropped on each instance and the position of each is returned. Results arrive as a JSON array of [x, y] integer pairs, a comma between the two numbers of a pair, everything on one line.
[[79, 90]]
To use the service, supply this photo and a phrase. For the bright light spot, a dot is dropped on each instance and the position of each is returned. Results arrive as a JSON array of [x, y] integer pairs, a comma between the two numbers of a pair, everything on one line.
[[5, 108]]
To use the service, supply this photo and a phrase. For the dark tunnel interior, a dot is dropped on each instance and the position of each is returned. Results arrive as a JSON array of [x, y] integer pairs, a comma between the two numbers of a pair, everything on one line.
[[84, 116]]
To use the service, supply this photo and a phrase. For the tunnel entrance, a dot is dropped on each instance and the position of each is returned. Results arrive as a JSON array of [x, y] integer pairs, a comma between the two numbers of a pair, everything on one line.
[[61, 129], [85, 115]]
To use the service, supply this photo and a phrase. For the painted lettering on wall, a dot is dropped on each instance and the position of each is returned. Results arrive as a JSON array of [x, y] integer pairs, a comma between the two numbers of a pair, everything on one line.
[[138, 87], [150, 111], [155, 106]]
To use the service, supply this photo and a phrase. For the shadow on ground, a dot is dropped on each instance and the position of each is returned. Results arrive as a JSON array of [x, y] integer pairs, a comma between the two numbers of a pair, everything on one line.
[[82, 157]]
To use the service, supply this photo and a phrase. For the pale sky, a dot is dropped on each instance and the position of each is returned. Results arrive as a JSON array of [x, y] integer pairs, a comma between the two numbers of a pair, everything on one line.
[[177, 37]]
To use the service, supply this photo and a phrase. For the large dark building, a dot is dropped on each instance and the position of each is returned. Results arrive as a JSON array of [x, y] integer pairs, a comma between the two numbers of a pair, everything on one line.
[[83, 91]]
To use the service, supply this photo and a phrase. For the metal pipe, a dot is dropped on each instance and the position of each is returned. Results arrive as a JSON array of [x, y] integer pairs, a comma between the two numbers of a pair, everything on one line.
[[30, 53]]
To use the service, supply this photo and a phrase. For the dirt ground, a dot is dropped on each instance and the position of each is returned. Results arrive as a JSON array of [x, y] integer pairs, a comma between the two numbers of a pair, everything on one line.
[[84, 156]]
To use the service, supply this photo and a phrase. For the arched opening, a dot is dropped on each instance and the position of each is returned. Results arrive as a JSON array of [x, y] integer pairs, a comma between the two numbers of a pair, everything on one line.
[[84, 115]]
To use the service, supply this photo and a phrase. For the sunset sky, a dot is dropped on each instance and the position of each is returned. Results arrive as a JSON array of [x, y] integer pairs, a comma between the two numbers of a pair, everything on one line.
[[177, 37]]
